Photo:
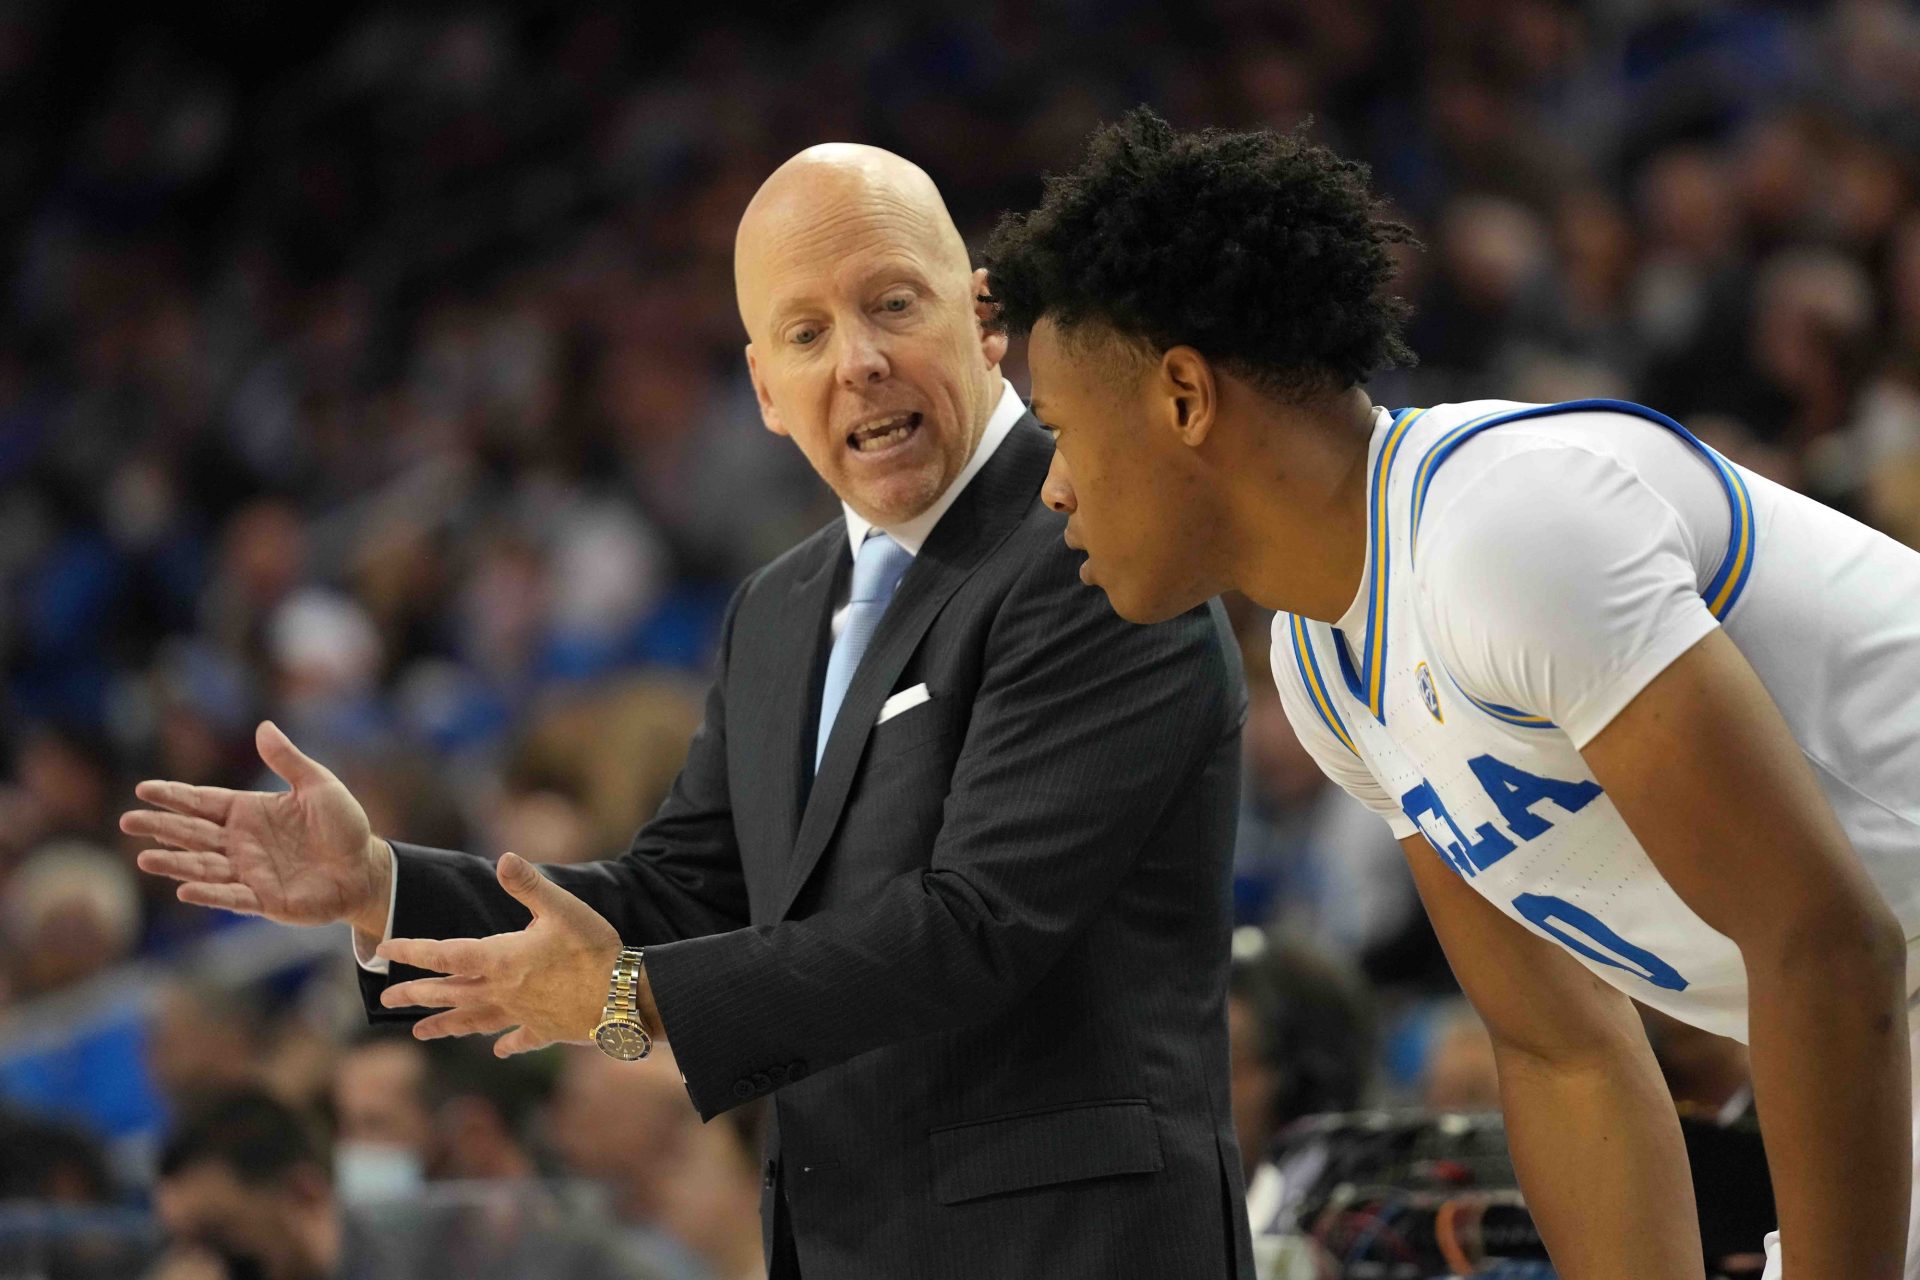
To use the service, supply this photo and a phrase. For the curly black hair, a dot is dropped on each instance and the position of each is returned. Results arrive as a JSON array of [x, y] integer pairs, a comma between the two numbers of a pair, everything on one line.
[[1265, 252]]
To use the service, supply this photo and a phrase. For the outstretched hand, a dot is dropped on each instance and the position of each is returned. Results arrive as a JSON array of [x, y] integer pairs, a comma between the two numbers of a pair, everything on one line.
[[548, 981], [302, 856]]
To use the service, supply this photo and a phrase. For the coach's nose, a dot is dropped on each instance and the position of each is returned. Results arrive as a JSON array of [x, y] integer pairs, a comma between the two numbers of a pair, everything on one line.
[[862, 359]]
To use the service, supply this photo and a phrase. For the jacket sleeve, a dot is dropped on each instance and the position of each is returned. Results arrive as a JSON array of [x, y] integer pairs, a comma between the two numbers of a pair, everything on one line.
[[680, 878], [1083, 729]]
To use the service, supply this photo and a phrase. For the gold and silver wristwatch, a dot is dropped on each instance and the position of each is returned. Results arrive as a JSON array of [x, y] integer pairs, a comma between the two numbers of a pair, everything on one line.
[[621, 1034]]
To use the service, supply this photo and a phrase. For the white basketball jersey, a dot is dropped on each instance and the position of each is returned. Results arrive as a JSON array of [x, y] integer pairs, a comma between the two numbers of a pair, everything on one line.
[[1482, 653]]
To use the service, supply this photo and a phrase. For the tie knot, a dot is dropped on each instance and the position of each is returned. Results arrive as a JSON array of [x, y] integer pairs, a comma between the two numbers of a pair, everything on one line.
[[878, 568]]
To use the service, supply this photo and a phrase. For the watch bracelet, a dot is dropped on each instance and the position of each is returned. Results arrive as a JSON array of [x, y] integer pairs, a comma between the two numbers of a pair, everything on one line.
[[623, 994]]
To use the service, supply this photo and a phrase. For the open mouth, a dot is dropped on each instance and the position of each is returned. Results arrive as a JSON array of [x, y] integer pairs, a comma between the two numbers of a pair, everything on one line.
[[883, 433]]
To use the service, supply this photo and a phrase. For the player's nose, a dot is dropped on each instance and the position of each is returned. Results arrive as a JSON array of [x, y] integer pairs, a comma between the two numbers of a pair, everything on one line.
[[1057, 492]]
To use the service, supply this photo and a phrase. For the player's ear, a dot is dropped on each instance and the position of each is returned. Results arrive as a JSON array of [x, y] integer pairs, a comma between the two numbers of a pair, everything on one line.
[[1186, 382], [993, 334], [768, 414]]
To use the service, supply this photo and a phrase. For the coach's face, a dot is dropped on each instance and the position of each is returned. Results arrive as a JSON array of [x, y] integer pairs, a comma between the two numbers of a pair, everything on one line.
[[868, 347], [1127, 468]]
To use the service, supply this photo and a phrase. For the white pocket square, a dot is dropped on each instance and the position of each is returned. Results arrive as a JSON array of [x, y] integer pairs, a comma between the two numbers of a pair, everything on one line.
[[905, 700]]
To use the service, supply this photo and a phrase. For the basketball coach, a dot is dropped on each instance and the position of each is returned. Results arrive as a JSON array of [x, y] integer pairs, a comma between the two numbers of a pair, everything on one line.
[[946, 871]]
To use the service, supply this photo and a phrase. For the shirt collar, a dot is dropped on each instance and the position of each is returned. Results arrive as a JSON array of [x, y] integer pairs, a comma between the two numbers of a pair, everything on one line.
[[912, 534], [1354, 620]]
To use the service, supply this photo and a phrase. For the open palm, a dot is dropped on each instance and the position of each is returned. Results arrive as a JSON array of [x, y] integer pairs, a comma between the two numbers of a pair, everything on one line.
[[304, 856]]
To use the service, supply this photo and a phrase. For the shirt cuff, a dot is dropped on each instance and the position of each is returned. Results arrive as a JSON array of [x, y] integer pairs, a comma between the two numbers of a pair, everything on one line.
[[366, 960]]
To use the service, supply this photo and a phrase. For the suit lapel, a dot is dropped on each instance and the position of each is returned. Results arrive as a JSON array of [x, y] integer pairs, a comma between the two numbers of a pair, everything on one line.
[[795, 692], [981, 518]]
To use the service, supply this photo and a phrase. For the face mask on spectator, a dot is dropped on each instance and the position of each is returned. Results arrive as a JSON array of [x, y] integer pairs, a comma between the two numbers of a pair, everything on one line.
[[365, 1171]]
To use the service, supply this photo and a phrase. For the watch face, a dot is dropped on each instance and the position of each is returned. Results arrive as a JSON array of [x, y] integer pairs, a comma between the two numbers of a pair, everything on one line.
[[622, 1040]]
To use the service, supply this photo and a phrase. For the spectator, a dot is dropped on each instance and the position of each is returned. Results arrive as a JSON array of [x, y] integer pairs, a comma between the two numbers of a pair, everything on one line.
[[384, 1128], [712, 1203], [71, 911], [488, 1114], [245, 1193], [51, 1162], [406, 1112], [629, 1127], [1304, 1040]]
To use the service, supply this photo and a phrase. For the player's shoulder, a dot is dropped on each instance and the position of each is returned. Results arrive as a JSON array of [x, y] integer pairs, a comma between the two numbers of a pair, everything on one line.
[[1521, 470], [1444, 442], [1457, 438]]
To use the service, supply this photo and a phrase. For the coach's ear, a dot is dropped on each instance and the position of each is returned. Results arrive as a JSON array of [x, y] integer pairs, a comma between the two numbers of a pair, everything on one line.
[[986, 313], [1189, 393], [768, 414]]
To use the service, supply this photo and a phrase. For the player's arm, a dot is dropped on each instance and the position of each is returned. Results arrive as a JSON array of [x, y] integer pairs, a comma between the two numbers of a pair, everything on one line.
[[1707, 775], [1560, 581], [1592, 1129]]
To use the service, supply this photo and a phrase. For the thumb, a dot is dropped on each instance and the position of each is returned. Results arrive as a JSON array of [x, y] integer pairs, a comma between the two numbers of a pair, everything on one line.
[[294, 767], [523, 880]]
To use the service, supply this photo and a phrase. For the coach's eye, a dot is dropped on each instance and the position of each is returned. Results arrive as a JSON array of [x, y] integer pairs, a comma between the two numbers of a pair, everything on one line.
[[803, 336]]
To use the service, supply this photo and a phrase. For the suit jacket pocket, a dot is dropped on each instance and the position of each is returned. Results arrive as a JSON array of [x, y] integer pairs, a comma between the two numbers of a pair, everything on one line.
[[912, 728], [1038, 1149]]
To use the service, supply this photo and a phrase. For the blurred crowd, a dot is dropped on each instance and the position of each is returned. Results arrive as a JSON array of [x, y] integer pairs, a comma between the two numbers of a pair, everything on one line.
[[375, 368]]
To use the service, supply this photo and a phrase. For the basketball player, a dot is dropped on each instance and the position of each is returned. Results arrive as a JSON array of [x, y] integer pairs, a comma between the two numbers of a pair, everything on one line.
[[1647, 725]]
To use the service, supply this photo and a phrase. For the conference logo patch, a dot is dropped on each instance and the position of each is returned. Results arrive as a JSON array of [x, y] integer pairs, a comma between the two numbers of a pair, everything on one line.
[[1428, 694]]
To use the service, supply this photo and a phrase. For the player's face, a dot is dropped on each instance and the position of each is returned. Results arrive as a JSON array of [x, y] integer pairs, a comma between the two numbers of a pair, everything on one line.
[[1122, 476], [871, 357]]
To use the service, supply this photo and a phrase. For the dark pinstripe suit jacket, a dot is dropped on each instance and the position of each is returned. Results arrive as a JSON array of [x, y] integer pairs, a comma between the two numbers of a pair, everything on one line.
[[979, 960]]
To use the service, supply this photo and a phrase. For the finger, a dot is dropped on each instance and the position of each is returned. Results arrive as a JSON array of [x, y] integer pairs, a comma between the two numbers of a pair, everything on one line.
[[466, 956], [519, 1040], [294, 766], [212, 868], [211, 803], [173, 828], [227, 897], [435, 993], [484, 1021]]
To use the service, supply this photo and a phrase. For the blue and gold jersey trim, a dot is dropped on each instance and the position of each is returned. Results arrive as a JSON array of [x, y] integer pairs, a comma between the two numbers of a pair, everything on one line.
[[1369, 683], [1322, 698], [1729, 579], [1510, 715]]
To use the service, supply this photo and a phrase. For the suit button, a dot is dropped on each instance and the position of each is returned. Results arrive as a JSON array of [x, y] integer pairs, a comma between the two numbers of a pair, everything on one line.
[[778, 1075], [797, 1069], [762, 1081], [743, 1088]]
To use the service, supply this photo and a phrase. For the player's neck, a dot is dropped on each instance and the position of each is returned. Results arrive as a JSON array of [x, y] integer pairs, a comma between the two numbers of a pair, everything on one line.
[[1299, 505]]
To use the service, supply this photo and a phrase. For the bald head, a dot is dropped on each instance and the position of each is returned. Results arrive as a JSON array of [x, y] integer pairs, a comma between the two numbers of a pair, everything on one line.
[[826, 188], [867, 345]]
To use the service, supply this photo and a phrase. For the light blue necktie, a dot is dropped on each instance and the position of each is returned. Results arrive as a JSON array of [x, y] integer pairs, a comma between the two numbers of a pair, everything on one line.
[[877, 570]]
